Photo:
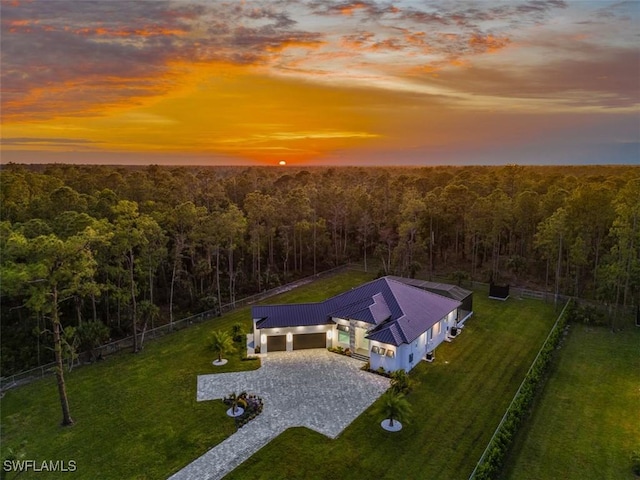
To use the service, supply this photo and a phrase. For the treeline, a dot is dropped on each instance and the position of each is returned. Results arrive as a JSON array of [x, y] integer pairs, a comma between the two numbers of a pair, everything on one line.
[[124, 249]]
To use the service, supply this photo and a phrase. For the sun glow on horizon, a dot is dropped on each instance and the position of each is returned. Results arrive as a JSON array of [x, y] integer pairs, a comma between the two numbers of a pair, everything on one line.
[[310, 81]]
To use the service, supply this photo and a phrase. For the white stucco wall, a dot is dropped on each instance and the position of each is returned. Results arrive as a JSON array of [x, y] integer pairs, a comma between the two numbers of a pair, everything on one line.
[[376, 361], [258, 334]]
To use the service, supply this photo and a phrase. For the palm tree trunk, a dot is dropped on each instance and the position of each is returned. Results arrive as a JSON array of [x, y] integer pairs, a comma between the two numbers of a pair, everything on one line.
[[57, 344], [134, 307]]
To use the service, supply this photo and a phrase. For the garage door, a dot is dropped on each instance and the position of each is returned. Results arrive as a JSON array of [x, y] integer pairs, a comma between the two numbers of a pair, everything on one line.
[[309, 340], [276, 343]]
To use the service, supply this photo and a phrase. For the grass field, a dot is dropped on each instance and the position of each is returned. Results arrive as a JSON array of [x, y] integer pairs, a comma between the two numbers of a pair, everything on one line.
[[457, 403], [137, 415], [587, 421]]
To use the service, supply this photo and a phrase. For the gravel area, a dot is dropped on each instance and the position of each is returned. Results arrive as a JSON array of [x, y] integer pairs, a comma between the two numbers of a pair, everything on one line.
[[316, 389]]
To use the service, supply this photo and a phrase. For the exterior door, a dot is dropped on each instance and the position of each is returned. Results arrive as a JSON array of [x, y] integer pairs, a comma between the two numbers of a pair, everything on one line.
[[276, 343], [309, 340]]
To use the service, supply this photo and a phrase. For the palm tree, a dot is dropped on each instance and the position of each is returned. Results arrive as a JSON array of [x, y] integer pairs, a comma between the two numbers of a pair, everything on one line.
[[221, 343], [394, 406]]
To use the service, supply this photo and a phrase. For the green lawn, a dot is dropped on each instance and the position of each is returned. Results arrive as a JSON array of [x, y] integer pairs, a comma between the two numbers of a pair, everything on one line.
[[457, 404], [137, 415], [587, 422]]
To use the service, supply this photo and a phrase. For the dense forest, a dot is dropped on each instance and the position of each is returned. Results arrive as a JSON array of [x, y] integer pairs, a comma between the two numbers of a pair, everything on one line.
[[92, 253]]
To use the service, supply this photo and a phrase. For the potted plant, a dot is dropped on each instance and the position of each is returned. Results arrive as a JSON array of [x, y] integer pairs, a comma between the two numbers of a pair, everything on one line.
[[234, 401]]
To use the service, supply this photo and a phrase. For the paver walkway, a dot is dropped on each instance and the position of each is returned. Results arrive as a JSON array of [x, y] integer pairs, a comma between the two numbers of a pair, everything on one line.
[[316, 389]]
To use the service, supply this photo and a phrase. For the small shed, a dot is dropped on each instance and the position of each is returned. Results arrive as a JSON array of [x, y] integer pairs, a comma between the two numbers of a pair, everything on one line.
[[498, 292]]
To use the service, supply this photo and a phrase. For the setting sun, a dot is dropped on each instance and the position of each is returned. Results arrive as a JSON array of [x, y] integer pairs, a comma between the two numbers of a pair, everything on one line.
[[341, 83]]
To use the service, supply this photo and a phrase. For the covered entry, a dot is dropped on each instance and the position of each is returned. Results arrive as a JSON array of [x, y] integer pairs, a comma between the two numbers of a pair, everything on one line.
[[276, 343], [309, 340]]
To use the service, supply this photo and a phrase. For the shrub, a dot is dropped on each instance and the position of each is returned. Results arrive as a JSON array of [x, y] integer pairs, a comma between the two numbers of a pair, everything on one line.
[[491, 463], [252, 405], [400, 382], [236, 331], [635, 463]]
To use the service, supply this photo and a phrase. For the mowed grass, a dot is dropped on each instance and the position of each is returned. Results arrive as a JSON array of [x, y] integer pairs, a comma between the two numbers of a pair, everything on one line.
[[457, 403], [137, 415], [587, 422]]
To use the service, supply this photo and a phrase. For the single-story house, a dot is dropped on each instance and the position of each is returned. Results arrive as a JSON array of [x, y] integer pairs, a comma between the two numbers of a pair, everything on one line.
[[386, 321], [464, 296]]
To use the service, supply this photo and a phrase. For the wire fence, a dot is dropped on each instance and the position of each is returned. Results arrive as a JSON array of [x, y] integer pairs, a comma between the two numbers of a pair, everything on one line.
[[157, 332], [513, 400], [105, 350]]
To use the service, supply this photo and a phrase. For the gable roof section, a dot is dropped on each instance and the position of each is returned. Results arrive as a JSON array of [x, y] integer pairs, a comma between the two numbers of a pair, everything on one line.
[[446, 289], [389, 333], [422, 309], [399, 312]]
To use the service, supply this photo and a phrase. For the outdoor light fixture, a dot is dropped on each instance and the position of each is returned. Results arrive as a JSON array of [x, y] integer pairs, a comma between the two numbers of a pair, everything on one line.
[[289, 337], [329, 334], [263, 338]]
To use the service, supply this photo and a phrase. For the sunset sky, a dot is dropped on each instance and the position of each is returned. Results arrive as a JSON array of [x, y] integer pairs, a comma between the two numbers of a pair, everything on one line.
[[320, 82]]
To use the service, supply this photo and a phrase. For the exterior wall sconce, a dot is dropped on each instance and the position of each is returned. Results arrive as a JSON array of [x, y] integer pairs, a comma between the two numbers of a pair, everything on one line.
[[263, 338], [329, 334], [289, 337]]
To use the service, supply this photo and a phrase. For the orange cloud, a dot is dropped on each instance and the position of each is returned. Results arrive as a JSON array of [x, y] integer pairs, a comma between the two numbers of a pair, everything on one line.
[[150, 31], [295, 43], [349, 9], [488, 43]]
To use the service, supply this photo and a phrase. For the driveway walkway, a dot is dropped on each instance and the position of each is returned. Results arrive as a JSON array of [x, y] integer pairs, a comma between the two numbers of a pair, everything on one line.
[[308, 388]]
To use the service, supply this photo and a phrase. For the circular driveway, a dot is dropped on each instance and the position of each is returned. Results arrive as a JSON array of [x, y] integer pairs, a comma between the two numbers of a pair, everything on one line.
[[315, 388]]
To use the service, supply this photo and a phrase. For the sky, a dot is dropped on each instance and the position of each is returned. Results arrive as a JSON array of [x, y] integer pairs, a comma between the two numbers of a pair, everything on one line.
[[320, 82]]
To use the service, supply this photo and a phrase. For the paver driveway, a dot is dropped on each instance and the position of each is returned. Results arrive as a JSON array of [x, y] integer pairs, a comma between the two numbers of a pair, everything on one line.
[[310, 388]]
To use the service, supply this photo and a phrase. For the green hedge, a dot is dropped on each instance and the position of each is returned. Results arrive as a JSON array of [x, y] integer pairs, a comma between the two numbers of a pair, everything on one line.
[[491, 464]]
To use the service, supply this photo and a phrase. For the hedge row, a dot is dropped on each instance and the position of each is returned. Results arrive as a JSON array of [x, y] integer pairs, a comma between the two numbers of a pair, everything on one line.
[[491, 464]]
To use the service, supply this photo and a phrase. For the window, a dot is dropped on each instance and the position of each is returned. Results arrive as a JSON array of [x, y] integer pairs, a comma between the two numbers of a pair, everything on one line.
[[436, 328], [343, 333], [411, 358], [375, 349], [391, 354]]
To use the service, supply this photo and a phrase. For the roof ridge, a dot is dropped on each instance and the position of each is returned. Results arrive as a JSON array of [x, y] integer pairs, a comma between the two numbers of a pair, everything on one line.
[[418, 288]]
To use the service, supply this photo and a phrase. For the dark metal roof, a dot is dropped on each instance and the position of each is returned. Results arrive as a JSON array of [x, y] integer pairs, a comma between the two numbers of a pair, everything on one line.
[[446, 289], [293, 315], [399, 312]]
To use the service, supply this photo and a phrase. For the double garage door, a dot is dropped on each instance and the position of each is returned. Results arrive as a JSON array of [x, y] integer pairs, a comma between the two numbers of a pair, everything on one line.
[[278, 343]]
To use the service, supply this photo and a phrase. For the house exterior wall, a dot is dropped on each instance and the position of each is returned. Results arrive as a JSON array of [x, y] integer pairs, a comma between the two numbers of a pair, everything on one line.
[[336, 336], [260, 334], [357, 331], [451, 320], [406, 356], [388, 363]]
